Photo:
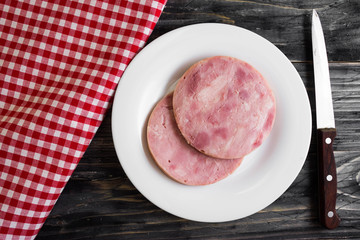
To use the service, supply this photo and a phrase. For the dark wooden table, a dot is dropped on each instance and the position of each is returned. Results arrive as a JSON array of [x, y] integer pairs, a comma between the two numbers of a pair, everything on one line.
[[99, 202]]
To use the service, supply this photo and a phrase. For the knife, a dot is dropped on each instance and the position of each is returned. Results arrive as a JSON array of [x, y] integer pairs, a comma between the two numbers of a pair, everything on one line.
[[326, 132]]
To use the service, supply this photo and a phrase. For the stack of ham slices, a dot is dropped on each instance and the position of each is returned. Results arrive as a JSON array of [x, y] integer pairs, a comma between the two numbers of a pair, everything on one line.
[[221, 110]]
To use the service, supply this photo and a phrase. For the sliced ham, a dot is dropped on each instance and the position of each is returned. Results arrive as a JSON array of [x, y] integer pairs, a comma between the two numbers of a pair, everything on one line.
[[178, 159], [224, 107]]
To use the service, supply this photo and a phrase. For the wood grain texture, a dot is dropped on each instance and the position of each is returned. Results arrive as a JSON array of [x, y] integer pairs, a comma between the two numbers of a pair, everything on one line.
[[99, 202]]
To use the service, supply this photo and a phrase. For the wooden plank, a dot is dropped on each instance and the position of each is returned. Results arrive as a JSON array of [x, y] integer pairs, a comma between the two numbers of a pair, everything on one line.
[[287, 24]]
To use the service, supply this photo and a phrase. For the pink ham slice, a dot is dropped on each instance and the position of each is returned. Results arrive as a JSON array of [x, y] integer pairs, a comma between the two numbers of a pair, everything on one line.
[[224, 107], [178, 159]]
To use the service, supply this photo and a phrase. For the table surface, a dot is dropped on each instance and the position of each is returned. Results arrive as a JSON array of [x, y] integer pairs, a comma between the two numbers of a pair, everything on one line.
[[99, 201]]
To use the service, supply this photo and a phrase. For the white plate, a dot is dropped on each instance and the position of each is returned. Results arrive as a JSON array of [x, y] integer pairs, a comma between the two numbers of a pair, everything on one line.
[[264, 175]]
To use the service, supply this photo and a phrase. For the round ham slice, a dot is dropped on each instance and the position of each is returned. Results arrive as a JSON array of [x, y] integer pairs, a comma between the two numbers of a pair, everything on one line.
[[178, 159], [224, 107]]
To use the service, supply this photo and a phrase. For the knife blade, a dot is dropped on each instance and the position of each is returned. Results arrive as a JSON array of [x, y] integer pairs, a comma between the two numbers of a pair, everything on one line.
[[326, 131]]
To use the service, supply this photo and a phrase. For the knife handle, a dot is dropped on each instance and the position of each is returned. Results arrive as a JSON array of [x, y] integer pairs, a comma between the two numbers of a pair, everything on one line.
[[327, 179]]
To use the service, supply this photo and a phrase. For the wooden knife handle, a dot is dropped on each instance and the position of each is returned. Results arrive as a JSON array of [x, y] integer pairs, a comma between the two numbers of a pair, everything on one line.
[[327, 178]]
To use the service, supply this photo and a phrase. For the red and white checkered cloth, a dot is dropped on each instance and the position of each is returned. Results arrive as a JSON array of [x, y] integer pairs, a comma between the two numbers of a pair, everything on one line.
[[60, 62]]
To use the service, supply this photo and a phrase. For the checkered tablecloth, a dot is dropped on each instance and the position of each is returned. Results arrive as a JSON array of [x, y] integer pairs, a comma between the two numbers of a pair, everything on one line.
[[60, 62]]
